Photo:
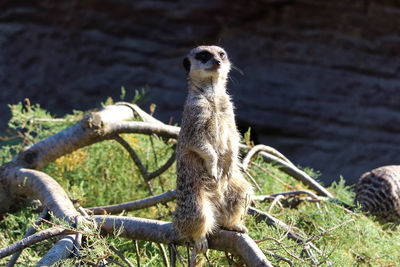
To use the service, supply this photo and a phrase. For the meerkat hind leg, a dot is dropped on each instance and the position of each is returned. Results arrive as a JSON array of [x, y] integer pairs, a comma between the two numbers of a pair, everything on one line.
[[236, 197]]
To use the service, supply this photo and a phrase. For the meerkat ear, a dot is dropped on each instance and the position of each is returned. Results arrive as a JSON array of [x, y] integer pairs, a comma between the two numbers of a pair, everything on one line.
[[186, 64]]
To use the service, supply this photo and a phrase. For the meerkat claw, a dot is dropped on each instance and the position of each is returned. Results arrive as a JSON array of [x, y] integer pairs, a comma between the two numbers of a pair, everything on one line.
[[201, 245]]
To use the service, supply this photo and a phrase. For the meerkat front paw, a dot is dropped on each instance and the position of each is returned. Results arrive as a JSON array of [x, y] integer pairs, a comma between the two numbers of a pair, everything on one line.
[[201, 244], [239, 228]]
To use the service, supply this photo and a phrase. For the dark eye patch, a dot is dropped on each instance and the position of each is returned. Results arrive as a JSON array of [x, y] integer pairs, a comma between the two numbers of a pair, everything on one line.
[[203, 56]]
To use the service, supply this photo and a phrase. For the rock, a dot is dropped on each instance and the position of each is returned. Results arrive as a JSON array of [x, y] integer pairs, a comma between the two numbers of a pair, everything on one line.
[[378, 193], [320, 78]]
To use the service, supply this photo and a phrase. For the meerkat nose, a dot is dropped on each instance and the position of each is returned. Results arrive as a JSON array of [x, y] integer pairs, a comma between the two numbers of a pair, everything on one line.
[[216, 62]]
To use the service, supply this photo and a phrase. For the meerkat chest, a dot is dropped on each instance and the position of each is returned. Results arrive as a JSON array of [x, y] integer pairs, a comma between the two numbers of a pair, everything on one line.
[[223, 117]]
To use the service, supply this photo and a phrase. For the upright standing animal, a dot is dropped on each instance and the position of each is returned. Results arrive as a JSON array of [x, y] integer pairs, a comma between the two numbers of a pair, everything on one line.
[[211, 191]]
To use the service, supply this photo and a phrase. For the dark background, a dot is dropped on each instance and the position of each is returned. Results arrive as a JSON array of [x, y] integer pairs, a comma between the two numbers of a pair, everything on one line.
[[321, 79]]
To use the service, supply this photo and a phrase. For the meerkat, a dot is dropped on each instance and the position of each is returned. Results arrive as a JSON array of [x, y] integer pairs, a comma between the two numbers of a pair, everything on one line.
[[211, 191]]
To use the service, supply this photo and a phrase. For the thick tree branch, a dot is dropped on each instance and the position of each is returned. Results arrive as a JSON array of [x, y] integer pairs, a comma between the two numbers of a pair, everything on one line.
[[162, 232], [61, 250], [37, 184]]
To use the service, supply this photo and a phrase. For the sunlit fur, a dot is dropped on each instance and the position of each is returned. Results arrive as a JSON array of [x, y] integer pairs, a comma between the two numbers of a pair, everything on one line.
[[211, 191]]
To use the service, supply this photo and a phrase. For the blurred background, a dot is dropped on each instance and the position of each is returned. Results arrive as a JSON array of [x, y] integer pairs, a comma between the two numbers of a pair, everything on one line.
[[321, 79]]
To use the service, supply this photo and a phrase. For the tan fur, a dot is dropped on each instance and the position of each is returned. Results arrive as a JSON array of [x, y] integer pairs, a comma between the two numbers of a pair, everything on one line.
[[211, 190]]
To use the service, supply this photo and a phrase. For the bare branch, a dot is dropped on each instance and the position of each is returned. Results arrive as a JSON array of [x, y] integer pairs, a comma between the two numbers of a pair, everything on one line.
[[267, 149], [263, 198], [162, 232], [39, 185], [270, 220], [61, 250], [135, 244], [327, 231], [253, 180], [30, 232], [33, 239], [297, 173], [163, 254], [136, 205], [116, 251]]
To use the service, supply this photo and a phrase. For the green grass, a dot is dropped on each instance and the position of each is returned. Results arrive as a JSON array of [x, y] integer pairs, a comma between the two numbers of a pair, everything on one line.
[[104, 174]]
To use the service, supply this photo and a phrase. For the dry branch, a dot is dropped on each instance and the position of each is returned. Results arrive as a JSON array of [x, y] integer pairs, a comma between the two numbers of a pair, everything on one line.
[[162, 232], [147, 176], [135, 205], [62, 249], [270, 150], [291, 193], [297, 173], [30, 232], [18, 177], [37, 184], [33, 239]]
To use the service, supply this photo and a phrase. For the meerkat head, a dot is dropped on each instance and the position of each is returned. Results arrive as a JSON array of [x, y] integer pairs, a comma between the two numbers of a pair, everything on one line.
[[207, 63]]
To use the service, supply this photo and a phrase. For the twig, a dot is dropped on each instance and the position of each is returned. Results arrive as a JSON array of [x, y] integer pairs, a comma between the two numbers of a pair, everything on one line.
[[163, 254], [116, 251], [327, 231], [253, 180], [172, 256], [193, 258], [280, 257], [115, 262], [276, 200], [30, 232], [33, 239], [208, 260], [135, 244], [177, 253], [284, 248]]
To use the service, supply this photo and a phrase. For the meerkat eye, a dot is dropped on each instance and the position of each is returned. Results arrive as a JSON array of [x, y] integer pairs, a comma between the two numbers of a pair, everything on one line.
[[222, 55], [203, 56]]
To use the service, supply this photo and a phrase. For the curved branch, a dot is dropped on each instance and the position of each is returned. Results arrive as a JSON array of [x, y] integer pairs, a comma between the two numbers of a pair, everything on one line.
[[297, 173], [135, 205], [147, 176], [21, 181], [133, 155], [33, 239], [142, 114], [163, 232], [270, 150]]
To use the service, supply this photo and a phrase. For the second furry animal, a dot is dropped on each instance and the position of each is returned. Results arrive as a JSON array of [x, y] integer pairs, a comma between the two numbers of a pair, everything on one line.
[[211, 191]]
